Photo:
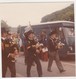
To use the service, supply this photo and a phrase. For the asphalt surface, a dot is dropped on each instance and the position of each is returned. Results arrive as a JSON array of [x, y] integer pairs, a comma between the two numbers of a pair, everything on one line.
[[21, 69]]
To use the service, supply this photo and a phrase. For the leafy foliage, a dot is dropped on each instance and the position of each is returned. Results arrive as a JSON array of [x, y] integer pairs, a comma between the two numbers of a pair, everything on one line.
[[64, 14]]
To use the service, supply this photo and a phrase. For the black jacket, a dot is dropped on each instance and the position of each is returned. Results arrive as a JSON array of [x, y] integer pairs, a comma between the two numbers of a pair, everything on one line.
[[32, 50], [51, 45], [6, 50]]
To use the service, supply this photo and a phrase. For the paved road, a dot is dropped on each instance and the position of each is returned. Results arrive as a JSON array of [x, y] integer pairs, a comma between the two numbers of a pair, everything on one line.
[[21, 69]]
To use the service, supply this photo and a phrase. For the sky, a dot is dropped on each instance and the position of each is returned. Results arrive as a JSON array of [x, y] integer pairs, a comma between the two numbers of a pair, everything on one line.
[[21, 13]]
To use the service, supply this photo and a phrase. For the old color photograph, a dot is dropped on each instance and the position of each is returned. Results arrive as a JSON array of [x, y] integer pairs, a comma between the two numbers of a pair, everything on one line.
[[37, 39]]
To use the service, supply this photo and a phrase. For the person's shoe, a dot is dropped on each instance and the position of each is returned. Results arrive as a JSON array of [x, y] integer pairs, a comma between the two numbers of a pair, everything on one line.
[[62, 71], [40, 75], [49, 70]]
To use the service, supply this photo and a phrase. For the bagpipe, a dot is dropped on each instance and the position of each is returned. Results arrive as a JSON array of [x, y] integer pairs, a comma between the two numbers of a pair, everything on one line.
[[14, 52], [58, 43]]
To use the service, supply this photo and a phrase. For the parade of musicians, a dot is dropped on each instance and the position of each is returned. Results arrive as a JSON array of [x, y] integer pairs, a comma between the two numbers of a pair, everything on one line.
[[45, 49]]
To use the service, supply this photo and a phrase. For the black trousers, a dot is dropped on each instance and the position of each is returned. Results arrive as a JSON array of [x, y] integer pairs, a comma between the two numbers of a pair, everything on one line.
[[30, 60], [54, 56], [11, 66]]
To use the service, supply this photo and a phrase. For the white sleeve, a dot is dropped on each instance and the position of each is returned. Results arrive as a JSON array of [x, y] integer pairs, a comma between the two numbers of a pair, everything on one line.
[[20, 42]]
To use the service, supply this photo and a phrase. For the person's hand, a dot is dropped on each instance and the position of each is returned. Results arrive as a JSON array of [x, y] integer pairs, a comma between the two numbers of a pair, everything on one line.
[[28, 47], [11, 55], [33, 45], [60, 45], [37, 45], [37, 51]]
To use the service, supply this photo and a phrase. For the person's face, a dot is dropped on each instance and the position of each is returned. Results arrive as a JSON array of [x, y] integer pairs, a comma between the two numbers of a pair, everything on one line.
[[54, 36], [31, 36], [4, 34], [43, 33]]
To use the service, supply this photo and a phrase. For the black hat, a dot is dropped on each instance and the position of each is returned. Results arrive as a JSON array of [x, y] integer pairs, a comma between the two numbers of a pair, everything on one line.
[[53, 32], [28, 33]]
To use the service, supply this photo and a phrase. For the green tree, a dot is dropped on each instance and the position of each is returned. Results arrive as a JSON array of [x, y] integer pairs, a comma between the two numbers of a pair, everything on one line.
[[64, 14]]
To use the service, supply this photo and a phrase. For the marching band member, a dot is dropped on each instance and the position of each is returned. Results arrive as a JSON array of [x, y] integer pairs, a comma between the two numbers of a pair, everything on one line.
[[53, 47], [44, 51], [9, 52], [32, 56]]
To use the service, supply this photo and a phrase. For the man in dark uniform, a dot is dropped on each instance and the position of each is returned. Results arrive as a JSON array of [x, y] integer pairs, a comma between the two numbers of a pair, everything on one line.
[[8, 56], [32, 55], [53, 47]]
